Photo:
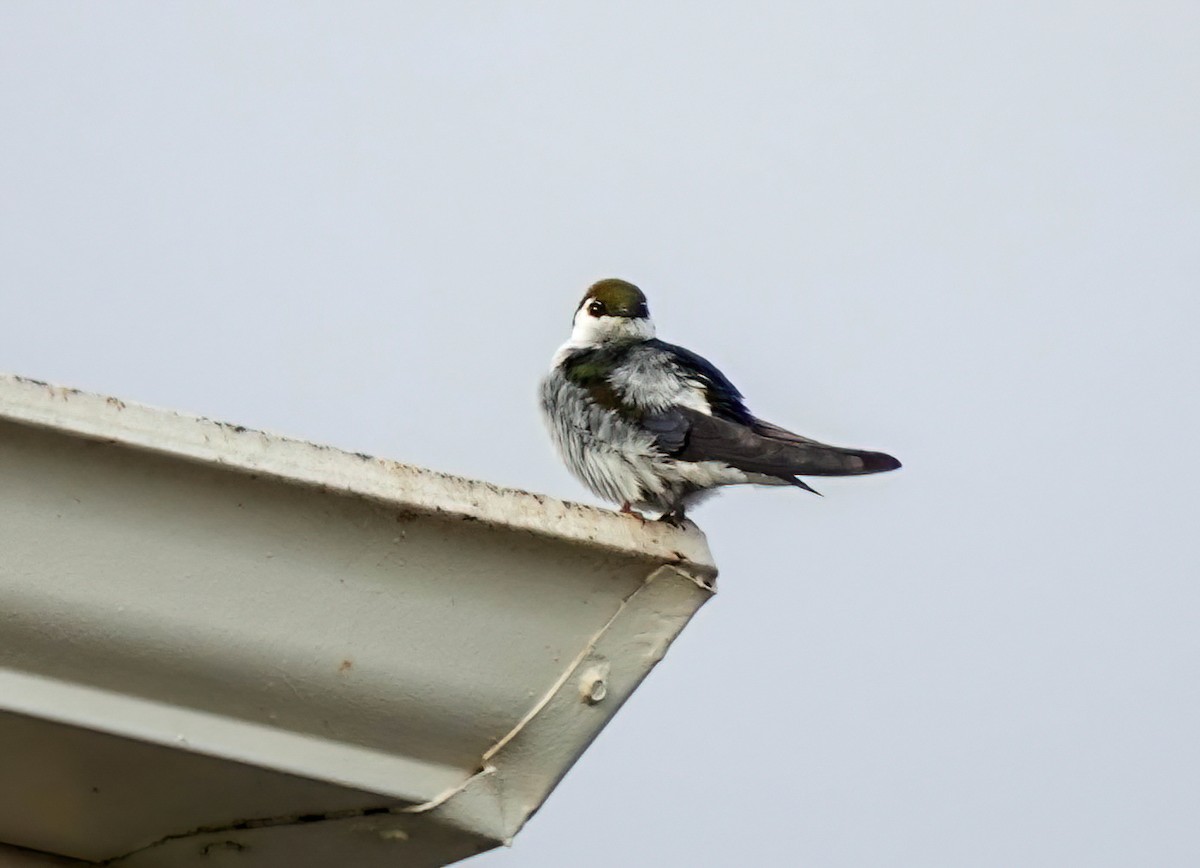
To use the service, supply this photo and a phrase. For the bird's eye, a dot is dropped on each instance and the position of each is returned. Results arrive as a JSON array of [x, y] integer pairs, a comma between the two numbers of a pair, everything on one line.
[[596, 308]]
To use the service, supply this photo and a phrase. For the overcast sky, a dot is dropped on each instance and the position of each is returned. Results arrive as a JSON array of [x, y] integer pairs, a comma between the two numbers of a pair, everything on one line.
[[964, 233]]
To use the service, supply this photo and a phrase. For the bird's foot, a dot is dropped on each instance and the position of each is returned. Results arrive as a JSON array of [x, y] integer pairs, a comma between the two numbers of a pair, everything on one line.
[[674, 517], [627, 509]]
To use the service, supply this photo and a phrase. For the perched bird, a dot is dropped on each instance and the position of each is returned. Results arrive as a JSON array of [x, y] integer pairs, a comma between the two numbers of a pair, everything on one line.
[[647, 424]]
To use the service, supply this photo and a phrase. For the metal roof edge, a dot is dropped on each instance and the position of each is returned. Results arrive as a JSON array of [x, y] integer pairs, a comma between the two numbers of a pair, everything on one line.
[[341, 657], [404, 486]]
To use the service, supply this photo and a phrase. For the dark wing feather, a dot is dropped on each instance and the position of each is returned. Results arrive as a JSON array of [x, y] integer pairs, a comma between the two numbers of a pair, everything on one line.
[[873, 462], [670, 429], [768, 449]]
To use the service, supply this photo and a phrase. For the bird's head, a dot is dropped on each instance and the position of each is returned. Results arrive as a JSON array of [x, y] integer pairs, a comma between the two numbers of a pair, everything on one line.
[[612, 312]]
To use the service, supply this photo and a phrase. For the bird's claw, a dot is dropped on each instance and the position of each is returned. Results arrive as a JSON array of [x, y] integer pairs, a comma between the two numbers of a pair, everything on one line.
[[674, 517], [627, 509]]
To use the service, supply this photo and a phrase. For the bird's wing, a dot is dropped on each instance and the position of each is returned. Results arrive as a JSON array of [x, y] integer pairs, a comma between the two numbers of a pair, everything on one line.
[[734, 435], [690, 435], [728, 432]]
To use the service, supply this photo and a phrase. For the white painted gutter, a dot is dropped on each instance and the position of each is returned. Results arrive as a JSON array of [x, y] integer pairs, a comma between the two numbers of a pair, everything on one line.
[[220, 646]]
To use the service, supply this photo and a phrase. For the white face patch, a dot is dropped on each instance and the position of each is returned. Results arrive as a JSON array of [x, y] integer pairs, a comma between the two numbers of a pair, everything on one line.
[[591, 331]]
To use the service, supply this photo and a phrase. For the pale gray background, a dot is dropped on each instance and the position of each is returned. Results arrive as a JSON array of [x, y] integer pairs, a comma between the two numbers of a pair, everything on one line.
[[966, 233]]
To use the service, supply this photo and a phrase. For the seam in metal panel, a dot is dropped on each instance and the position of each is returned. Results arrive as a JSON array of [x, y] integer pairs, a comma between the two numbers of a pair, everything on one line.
[[248, 825], [570, 669]]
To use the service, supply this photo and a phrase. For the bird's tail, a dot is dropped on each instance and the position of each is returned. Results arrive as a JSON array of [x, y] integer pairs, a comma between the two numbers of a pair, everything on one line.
[[800, 483]]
